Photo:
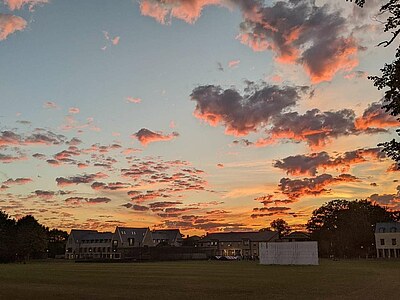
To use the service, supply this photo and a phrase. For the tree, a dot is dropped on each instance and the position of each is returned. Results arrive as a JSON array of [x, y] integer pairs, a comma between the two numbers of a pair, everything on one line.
[[281, 226], [346, 228], [31, 238], [7, 234], [57, 239], [390, 79]]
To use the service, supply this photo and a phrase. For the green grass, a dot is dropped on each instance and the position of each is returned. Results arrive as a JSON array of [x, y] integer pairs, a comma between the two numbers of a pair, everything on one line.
[[201, 280]]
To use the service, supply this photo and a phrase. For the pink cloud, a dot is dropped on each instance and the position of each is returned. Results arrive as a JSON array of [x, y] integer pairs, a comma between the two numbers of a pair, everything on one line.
[[186, 10], [10, 24], [145, 136], [233, 63], [50, 105], [74, 110], [18, 4], [133, 100]]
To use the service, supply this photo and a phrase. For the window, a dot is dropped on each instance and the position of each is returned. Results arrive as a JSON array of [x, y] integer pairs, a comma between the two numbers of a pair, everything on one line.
[[246, 242], [393, 229], [123, 232], [382, 230], [115, 243], [382, 242], [394, 242], [131, 241]]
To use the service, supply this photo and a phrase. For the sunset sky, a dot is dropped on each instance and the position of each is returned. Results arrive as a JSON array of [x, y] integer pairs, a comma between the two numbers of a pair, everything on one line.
[[203, 115]]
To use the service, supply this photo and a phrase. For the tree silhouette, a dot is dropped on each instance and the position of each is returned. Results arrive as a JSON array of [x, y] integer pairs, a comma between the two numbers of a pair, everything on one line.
[[31, 238], [390, 78], [346, 228], [281, 226]]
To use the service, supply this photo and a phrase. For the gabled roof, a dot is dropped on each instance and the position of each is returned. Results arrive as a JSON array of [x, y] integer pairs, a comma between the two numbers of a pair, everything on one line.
[[387, 227], [297, 235], [78, 234], [124, 233], [254, 236], [170, 235]]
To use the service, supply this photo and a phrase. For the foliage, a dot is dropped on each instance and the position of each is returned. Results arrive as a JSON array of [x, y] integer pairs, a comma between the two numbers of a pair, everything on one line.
[[281, 226], [7, 233], [390, 79], [31, 238], [57, 240], [27, 238], [346, 228]]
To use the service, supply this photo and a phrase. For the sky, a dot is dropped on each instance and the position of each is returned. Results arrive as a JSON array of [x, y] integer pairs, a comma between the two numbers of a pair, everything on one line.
[[203, 115]]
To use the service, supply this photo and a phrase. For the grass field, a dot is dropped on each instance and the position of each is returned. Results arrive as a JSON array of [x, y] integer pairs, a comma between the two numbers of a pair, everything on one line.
[[201, 280]]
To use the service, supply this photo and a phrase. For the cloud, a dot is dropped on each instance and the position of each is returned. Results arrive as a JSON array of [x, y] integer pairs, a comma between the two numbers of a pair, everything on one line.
[[133, 100], [78, 201], [233, 63], [74, 110], [374, 117], [6, 158], [297, 31], [87, 178], [112, 186], [300, 32], [17, 181], [309, 164], [45, 194], [297, 188], [186, 10], [242, 114], [389, 200], [50, 105], [39, 138], [145, 136], [10, 24], [314, 127], [18, 4]]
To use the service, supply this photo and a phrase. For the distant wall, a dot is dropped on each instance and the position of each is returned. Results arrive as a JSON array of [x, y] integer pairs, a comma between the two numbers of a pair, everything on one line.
[[289, 253]]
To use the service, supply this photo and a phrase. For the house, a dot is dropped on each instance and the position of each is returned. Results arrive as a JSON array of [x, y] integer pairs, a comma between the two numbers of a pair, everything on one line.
[[296, 236], [244, 244], [387, 240], [126, 239], [167, 237], [88, 244]]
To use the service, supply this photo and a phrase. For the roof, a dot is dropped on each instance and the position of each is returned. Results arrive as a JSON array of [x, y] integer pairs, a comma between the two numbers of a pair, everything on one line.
[[387, 227], [254, 236], [297, 235], [89, 235], [124, 233], [171, 235], [78, 234]]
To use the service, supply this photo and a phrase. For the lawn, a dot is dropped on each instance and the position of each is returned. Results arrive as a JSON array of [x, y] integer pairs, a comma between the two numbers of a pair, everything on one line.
[[201, 280]]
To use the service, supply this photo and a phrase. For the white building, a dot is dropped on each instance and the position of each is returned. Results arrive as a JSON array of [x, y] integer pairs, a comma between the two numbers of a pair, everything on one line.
[[387, 240], [289, 253]]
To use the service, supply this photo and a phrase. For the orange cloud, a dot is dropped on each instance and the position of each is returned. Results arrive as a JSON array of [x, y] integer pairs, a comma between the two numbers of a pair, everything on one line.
[[186, 10], [145, 136], [10, 24], [375, 117], [18, 4]]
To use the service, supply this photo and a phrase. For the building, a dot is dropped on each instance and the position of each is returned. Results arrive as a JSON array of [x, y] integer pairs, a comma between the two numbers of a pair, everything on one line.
[[126, 240], [292, 253], [296, 236], [167, 237], [244, 244], [387, 240], [88, 244]]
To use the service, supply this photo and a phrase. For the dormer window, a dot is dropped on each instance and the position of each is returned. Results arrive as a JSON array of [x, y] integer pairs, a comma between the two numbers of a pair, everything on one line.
[[393, 229], [382, 230]]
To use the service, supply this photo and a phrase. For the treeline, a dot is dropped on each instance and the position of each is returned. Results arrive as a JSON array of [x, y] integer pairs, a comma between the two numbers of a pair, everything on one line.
[[26, 239], [346, 229]]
